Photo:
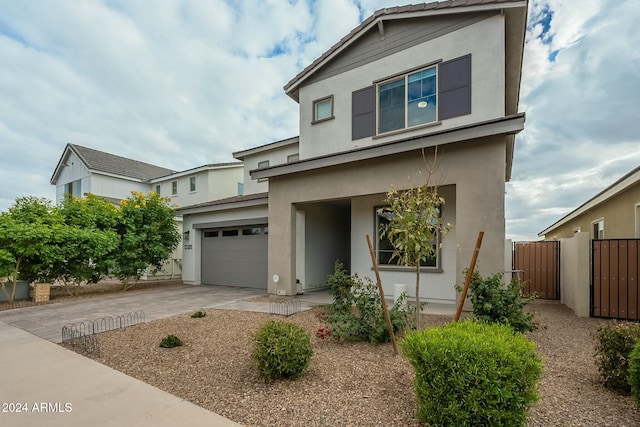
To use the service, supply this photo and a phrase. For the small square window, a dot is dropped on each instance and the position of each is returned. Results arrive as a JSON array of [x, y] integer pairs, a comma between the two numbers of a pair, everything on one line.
[[323, 109], [192, 184], [174, 188], [293, 158]]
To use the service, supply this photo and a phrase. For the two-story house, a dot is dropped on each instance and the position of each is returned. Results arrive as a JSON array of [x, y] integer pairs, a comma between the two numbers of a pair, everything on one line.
[[405, 81], [82, 170]]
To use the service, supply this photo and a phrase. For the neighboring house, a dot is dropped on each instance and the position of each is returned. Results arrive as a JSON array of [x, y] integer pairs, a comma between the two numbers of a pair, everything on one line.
[[614, 213], [83, 170], [407, 79]]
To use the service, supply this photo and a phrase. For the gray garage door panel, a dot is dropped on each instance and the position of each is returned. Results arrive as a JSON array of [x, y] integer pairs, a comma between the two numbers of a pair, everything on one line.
[[235, 261]]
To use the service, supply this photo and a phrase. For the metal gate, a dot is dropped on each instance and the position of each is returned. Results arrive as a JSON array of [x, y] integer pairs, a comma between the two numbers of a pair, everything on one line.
[[538, 267], [614, 278]]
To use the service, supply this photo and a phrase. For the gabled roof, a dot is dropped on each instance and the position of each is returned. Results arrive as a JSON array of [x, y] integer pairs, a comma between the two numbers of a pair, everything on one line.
[[101, 162], [630, 179], [240, 155], [399, 12]]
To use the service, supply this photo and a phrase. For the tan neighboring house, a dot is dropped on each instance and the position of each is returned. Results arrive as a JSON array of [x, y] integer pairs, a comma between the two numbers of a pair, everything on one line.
[[407, 79], [82, 170], [614, 213]]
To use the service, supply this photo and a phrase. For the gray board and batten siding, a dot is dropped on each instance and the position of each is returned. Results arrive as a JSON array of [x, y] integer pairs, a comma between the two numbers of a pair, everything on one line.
[[398, 35]]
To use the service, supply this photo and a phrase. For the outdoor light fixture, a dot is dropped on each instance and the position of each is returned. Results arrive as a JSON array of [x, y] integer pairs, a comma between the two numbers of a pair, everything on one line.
[[186, 235]]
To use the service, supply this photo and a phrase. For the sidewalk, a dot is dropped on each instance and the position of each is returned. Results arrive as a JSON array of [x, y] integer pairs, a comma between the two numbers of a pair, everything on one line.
[[54, 386]]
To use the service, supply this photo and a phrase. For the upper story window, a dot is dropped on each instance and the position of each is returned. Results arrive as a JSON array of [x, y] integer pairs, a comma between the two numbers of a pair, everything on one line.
[[158, 189], [421, 96], [192, 184], [174, 188], [293, 158], [74, 188], [407, 101], [261, 165], [322, 109]]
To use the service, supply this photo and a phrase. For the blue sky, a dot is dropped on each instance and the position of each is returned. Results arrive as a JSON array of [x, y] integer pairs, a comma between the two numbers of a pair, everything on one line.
[[185, 83]]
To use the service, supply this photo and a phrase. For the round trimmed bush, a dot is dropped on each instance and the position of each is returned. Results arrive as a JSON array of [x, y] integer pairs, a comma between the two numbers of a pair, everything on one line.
[[634, 373], [282, 349], [473, 374]]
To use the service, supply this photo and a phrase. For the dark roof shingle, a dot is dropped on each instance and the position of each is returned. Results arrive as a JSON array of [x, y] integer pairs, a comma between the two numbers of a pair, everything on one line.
[[110, 163]]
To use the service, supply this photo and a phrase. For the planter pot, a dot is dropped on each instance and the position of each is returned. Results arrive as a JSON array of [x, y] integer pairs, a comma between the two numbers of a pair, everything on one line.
[[22, 291]]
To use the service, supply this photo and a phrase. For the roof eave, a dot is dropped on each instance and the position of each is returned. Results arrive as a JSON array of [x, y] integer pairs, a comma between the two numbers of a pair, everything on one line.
[[503, 126]]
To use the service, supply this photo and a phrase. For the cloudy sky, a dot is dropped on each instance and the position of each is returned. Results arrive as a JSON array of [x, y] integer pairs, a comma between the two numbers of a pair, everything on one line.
[[184, 83]]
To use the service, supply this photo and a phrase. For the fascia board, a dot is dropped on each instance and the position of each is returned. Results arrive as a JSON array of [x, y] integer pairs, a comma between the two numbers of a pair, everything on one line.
[[510, 125]]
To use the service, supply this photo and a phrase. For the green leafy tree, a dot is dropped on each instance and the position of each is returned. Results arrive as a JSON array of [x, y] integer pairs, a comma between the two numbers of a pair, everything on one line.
[[148, 235], [415, 225], [86, 243], [25, 241]]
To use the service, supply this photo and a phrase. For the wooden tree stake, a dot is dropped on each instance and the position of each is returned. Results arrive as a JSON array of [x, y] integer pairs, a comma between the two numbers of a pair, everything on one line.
[[384, 302], [467, 281]]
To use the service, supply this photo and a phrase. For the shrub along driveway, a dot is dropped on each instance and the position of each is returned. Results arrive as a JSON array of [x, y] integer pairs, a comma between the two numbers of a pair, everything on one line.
[[46, 321]]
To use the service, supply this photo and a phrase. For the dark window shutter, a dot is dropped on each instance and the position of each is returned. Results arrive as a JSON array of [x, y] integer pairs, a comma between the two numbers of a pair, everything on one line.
[[454, 88], [363, 113]]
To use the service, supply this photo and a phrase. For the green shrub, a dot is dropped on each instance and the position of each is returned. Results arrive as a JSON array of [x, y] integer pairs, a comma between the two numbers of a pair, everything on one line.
[[171, 341], [495, 303], [356, 313], [198, 314], [282, 349], [634, 372], [614, 343], [473, 374]]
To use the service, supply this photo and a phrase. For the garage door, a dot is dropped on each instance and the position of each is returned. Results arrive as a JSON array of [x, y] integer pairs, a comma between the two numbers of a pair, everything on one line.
[[235, 256]]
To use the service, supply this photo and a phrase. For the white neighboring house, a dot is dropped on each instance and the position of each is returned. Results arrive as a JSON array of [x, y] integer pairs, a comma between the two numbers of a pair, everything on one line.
[[82, 170]]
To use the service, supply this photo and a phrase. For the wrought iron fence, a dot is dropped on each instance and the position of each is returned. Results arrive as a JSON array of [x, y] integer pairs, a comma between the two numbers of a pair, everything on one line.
[[285, 308], [80, 335]]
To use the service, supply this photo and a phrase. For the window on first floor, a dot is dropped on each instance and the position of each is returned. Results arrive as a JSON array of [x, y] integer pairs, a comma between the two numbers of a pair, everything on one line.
[[192, 184], [174, 188], [385, 250], [158, 189]]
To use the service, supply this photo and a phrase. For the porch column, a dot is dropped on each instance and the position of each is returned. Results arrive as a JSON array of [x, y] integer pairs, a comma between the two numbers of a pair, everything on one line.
[[282, 244]]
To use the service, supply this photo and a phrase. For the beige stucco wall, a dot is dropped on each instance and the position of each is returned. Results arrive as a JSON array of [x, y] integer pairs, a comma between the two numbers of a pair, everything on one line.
[[618, 213], [485, 41], [574, 273], [476, 169], [276, 156]]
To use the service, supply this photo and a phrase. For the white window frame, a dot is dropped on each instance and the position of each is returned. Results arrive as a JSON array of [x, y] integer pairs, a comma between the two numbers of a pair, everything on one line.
[[193, 183], [318, 102], [293, 158], [174, 188], [261, 165], [593, 231], [158, 189], [405, 77]]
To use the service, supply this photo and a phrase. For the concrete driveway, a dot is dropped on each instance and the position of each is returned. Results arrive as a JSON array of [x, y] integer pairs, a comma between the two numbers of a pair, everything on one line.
[[46, 321]]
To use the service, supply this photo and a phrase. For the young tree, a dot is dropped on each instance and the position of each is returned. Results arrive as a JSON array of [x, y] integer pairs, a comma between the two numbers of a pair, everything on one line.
[[148, 235], [415, 225]]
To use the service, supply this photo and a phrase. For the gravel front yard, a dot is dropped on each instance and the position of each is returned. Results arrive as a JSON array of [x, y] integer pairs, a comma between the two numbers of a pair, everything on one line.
[[347, 384]]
